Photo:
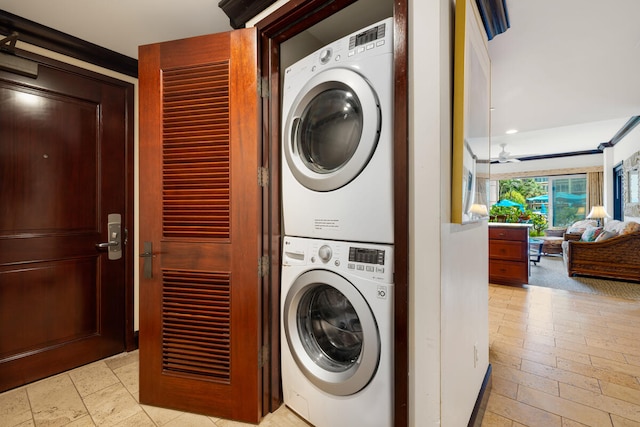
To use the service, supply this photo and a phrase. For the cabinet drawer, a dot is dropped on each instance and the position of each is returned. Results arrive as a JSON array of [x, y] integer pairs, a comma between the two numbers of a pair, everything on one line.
[[506, 250], [509, 272], [506, 233]]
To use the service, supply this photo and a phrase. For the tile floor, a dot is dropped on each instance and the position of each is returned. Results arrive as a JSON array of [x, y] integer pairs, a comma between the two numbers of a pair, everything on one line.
[[563, 359], [559, 359], [105, 393]]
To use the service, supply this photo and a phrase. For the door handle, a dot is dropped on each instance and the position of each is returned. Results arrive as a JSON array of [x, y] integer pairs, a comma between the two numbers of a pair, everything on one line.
[[106, 244], [114, 245], [147, 267]]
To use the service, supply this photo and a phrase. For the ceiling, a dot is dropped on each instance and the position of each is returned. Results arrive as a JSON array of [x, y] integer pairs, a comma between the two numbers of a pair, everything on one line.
[[565, 75]]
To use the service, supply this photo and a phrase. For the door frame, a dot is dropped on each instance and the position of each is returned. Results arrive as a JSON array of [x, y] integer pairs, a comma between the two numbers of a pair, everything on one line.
[[288, 21], [57, 42]]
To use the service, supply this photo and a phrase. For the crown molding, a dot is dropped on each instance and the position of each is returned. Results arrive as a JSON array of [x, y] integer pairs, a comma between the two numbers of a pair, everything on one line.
[[65, 44]]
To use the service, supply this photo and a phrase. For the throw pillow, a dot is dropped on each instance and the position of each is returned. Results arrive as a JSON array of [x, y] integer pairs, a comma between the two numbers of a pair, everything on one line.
[[630, 227], [606, 235], [576, 230], [591, 233]]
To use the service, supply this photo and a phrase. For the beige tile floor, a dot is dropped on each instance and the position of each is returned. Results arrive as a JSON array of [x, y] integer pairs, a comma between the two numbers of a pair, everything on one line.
[[563, 359], [559, 359], [105, 393]]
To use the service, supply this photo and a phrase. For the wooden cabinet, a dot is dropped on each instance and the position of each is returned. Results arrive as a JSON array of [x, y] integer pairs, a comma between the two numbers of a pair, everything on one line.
[[509, 254]]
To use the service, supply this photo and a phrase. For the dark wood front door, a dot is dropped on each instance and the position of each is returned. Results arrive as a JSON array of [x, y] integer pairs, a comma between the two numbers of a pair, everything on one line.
[[200, 233], [63, 145]]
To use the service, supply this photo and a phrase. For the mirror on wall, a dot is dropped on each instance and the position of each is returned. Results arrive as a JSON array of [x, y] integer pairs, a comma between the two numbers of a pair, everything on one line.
[[632, 185], [471, 121]]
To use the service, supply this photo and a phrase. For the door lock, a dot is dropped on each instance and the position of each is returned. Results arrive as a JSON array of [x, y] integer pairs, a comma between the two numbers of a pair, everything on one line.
[[114, 245]]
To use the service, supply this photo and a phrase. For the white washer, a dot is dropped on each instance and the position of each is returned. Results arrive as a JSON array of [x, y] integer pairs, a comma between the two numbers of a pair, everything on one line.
[[337, 332], [337, 140]]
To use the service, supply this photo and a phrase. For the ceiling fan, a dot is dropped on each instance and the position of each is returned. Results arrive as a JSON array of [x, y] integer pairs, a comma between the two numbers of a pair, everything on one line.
[[504, 156]]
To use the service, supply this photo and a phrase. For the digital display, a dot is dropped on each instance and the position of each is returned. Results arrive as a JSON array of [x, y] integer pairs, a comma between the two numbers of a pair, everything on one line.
[[368, 36], [366, 256]]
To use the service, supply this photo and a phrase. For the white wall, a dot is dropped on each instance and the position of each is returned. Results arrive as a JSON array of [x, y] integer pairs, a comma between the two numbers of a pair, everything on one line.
[[429, 26], [448, 265]]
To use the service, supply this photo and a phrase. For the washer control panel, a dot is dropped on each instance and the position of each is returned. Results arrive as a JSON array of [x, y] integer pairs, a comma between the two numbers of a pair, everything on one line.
[[366, 260]]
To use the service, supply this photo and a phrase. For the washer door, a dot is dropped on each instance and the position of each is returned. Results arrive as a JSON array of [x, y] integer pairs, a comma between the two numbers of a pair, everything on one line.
[[331, 332], [332, 129]]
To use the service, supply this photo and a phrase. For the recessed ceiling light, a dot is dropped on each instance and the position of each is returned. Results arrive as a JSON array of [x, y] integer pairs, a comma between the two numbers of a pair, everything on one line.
[[511, 131]]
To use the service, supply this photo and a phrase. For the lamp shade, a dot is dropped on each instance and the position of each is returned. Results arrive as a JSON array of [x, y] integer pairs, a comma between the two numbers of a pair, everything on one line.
[[598, 212]]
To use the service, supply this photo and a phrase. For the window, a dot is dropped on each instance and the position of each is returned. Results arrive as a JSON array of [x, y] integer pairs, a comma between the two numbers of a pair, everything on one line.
[[568, 199], [562, 199]]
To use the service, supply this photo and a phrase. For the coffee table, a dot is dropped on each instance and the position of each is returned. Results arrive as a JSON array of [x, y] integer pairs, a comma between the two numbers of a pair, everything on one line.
[[535, 250]]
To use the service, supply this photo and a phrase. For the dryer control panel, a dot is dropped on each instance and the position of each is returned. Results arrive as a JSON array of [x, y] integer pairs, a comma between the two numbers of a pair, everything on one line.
[[367, 36], [374, 40], [366, 260]]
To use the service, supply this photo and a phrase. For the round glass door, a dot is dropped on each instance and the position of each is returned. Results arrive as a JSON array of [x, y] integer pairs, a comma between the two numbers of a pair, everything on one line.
[[332, 130], [331, 332]]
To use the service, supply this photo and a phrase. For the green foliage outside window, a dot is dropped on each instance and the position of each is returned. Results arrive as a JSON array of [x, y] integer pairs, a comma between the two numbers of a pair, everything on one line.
[[515, 196], [527, 187], [567, 215]]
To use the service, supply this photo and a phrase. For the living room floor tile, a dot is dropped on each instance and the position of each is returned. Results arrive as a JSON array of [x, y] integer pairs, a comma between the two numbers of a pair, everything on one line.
[[596, 378]]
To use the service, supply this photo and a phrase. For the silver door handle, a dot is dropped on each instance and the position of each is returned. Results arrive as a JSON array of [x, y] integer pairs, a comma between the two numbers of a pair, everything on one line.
[[107, 244], [114, 245]]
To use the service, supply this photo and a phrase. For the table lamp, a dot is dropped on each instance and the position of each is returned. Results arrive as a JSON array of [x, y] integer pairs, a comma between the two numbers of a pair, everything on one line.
[[598, 213]]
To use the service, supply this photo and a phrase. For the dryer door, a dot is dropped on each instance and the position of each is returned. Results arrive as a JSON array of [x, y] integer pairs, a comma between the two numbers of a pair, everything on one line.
[[332, 129], [331, 332]]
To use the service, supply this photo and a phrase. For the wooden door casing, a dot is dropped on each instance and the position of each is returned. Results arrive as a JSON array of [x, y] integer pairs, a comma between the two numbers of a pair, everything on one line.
[[65, 140], [287, 21], [200, 207]]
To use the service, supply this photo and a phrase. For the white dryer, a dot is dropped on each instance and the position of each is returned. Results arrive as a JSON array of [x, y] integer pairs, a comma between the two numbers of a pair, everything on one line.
[[337, 332], [337, 140]]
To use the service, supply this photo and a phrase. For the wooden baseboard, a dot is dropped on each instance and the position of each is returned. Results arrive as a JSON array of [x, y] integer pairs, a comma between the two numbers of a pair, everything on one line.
[[481, 403]]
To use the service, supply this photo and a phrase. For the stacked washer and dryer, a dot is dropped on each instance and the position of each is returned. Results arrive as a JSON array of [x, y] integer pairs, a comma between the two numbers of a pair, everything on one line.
[[337, 264]]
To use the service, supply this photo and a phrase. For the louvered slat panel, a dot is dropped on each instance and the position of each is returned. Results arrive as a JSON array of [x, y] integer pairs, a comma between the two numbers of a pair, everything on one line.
[[195, 151], [196, 324]]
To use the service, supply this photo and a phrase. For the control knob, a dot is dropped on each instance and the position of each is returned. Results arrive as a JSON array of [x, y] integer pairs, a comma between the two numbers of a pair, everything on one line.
[[325, 55], [325, 253]]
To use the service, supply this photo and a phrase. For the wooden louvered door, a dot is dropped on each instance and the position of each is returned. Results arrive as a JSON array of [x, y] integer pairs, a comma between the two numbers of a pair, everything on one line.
[[200, 209]]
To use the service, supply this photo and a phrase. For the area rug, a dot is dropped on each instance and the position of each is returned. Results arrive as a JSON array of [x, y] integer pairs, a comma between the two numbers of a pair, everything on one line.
[[551, 273]]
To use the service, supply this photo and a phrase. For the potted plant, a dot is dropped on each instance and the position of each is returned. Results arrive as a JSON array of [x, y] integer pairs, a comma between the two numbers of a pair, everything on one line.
[[504, 213], [540, 224], [525, 216]]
